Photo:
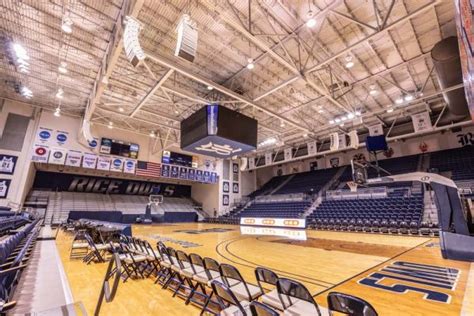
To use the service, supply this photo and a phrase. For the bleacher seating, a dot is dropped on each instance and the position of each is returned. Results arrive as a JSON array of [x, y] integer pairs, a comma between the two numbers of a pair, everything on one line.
[[399, 211], [269, 186], [308, 182], [275, 209], [459, 161]]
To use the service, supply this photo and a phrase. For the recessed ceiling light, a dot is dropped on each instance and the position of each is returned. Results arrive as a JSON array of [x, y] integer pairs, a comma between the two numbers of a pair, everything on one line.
[[121, 109], [152, 134], [390, 110], [57, 112], [250, 64], [331, 122], [311, 22], [408, 97], [350, 116], [111, 125], [282, 124], [62, 67], [176, 111], [210, 88], [349, 62], [305, 135], [399, 100], [66, 26]]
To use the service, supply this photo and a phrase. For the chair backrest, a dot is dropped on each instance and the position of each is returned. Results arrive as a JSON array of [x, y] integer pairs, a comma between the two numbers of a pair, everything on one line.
[[183, 259], [349, 305], [259, 309], [225, 296], [294, 289], [264, 275], [196, 262], [172, 256], [211, 264], [230, 273]]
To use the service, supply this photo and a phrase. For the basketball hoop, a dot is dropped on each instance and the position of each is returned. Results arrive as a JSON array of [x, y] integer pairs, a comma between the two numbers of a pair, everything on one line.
[[352, 185]]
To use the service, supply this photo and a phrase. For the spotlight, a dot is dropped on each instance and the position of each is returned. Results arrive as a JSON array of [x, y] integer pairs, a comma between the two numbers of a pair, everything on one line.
[[311, 22], [250, 64], [66, 26], [26, 92], [344, 118], [62, 67], [121, 109], [152, 134], [60, 93], [358, 113], [390, 110], [337, 120], [111, 125], [210, 88], [408, 97], [399, 100], [57, 112], [331, 122], [350, 116], [349, 62]]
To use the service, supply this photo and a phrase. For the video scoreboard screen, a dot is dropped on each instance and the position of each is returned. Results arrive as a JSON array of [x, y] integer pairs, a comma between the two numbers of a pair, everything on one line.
[[119, 148], [173, 158]]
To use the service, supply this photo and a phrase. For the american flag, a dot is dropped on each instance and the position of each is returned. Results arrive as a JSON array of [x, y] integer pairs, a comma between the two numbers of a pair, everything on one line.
[[148, 169]]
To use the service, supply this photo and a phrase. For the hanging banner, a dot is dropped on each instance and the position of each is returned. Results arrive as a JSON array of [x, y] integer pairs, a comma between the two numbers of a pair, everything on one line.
[[191, 174], [288, 153], [199, 175], [376, 130], [93, 144], [213, 177], [183, 173], [105, 145], [334, 138], [57, 156], [104, 162], [165, 171], [74, 158], [40, 153], [43, 135], [268, 159], [116, 164], [252, 163], [89, 161], [60, 137], [7, 164], [174, 171], [312, 149], [421, 121], [129, 166], [206, 178], [4, 187]]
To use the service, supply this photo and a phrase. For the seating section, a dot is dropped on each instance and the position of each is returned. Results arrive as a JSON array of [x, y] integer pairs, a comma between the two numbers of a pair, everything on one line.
[[399, 211], [268, 187], [308, 182], [11, 222], [275, 209], [459, 161]]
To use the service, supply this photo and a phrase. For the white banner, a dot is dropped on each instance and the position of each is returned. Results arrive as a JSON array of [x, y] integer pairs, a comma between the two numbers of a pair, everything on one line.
[[273, 222], [40, 153], [117, 165], [252, 163], [103, 163], [74, 158], [353, 139], [288, 153], [43, 135], [57, 156], [89, 161], [296, 234], [421, 121], [129, 166], [60, 137], [268, 159], [376, 130], [93, 144], [334, 138], [312, 148]]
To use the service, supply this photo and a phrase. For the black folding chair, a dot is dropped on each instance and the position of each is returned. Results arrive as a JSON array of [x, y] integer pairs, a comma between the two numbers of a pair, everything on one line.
[[200, 278], [186, 274], [349, 305], [95, 253], [299, 297], [234, 280], [228, 301], [165, 264], [259, 309], [268, 277]]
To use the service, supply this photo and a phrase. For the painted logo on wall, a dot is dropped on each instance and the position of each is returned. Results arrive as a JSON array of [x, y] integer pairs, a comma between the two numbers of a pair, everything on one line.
[[466, 139], [44, 135]]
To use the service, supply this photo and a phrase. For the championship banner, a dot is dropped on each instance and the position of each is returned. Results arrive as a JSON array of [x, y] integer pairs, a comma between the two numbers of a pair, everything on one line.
[[40, 153], [268, 159], [174, 172], [117, 165], [129, 166], [376, 130], [191, 174], [213, 177], [103, 163], [288, 153], [206, 177], [312, 149], [7, 164], [105, 145], [89, 161], [60, 137], [165, 171], [57, 156], [183, 173], [74, 158], [199, 175], [4, 187], [43, 135], [252, 163], [421, 121]]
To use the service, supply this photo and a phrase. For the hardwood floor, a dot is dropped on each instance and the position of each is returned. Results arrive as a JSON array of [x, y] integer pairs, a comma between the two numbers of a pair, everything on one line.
[[378, 268]]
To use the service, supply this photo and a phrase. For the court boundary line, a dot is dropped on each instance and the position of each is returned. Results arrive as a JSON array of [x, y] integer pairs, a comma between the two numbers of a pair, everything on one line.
[[467, 305]]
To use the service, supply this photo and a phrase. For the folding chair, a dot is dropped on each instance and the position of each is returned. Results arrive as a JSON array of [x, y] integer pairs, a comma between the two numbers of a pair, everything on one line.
[[131, 262], [79, 247], [186, 274], [270, 298], [259, 309], [200, 277], [229, 303], [96, 251], [234, 280], [349, 305], [175, 269], [153, 258], [212, 273], [165, 264], [304, 305]]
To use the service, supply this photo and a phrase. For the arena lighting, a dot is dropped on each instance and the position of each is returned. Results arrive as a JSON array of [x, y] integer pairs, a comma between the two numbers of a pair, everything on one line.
[[121, 109], [343, 118], [282, 124], [268, 141], [66, 26], [21, 57], [111, 125], [57, 112], [152, 134], [311, 22], [349, 62], [60, 93], [305, 135], [26, 92], [320, 111], [399, 100], [358, 113], [390, 110], [337, 120], [250, 64], [210, 88], [373, 91], [133, 50], [62, 67], [350, 116], [331, 122], [341, 125], [408, 97]]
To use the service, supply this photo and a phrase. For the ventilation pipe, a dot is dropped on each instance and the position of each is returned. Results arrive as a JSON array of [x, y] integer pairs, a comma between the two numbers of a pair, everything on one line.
[[447, 65]]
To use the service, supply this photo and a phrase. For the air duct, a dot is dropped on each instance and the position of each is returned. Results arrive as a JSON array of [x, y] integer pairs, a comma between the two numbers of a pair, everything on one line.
[[447, 64]]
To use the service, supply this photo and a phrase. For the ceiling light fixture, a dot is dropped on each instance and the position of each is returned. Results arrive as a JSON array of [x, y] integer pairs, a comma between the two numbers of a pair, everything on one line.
[[210, 88], [349, 62], [62, 67], [26, 92], [320, 111], [350, 116], [60, 93], [111, 125], [408, 97], [337, 120], [282, 124], [21, 57], [250, 64], [121, 109], [268, 141], [66, 26], [390, 110], [399, 100], [57, 112], [358, 113], [331, 122], [372, 91], [311, 22], [152, 134], [344, 118]]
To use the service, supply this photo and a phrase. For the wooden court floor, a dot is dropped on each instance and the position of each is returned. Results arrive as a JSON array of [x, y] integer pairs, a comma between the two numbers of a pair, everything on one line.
[[398, 275]]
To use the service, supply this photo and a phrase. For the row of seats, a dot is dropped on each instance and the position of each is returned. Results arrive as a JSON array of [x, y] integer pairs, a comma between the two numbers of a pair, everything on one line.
[[459, 161], [275, 209], [308, 182], [10, 222]]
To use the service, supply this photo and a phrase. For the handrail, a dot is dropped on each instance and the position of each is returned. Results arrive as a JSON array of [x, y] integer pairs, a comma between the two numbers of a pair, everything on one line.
[[113, 270]]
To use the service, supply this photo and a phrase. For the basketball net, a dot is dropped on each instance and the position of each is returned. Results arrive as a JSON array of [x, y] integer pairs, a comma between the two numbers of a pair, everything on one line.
[[352, 185]]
